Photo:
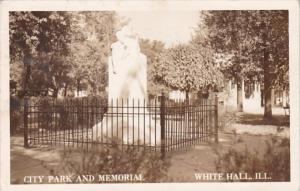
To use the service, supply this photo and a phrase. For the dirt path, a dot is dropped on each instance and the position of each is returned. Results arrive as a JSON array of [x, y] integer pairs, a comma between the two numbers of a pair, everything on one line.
[[29, 162]]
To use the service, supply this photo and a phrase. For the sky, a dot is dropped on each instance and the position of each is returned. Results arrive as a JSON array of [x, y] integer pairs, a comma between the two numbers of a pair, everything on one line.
[[170, 27]]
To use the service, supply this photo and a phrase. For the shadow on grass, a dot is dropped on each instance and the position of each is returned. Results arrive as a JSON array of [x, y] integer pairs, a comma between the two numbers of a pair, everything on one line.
[[258, 119]]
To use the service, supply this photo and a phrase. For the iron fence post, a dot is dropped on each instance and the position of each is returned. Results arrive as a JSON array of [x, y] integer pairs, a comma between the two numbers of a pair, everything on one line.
[[26, 145], [216, 119], [162, 125]]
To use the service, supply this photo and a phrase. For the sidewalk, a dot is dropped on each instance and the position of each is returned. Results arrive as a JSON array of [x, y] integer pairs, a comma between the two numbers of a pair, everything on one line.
[[29, 162]]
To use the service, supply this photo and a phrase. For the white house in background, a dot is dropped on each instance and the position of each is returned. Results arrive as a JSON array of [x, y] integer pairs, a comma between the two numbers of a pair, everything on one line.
[[176, 95], [81, 93], [253, 96]]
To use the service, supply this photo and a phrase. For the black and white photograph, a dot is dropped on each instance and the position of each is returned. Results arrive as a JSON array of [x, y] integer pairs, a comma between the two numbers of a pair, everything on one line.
[[134, 96]]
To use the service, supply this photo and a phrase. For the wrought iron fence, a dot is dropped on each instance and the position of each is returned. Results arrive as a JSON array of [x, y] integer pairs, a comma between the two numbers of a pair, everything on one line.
[[159, 124]]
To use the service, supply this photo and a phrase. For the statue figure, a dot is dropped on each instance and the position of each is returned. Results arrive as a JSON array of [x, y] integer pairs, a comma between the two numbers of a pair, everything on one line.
[[127, 69]]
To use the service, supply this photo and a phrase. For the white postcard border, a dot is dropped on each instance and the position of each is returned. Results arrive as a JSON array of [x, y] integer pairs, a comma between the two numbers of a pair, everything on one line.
[[291, 5]]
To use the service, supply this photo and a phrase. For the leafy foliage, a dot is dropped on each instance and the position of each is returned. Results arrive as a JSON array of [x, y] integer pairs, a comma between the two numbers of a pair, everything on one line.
[[152, 49], [275, 161], [187, 68], [16, 114], [59, 50], [92, 35], [238, 36], [250, 45], [37, 36], [114, 160], [35, 31]]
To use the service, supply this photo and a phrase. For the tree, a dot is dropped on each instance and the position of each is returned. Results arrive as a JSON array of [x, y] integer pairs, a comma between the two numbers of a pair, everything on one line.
[[185, 68], [59, 50], [35, 35], [152, 49], [225, 36], [257, 42], [92, 35], [271, 44]]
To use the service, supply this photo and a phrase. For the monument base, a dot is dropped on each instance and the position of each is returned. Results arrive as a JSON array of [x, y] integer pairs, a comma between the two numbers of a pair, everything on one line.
[[139, 129]]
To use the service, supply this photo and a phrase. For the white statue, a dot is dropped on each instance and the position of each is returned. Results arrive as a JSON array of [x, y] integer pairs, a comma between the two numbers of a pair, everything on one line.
[[127, 68], [127, 81]]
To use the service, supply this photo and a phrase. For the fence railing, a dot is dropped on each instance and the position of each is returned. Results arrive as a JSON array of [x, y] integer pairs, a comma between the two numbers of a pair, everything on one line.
[[159, 124]]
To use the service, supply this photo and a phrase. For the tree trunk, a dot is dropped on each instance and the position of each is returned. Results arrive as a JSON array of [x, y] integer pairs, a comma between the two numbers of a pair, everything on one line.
[[273, 101], [55, 93], [27, 66], [239, 96], [284, 98], [66, 89], [268, 99], [267, 89], [200, 95], [262, 100], [267, 76], [78, 87], [186, 95]]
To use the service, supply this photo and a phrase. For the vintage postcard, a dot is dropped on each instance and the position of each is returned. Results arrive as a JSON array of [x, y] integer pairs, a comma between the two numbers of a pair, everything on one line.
[[131, 95]]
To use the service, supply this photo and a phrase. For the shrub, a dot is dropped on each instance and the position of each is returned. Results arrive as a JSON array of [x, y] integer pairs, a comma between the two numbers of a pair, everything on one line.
[[275, 161], [16, 115], [45, 112], [107, 160], [227, 119]]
